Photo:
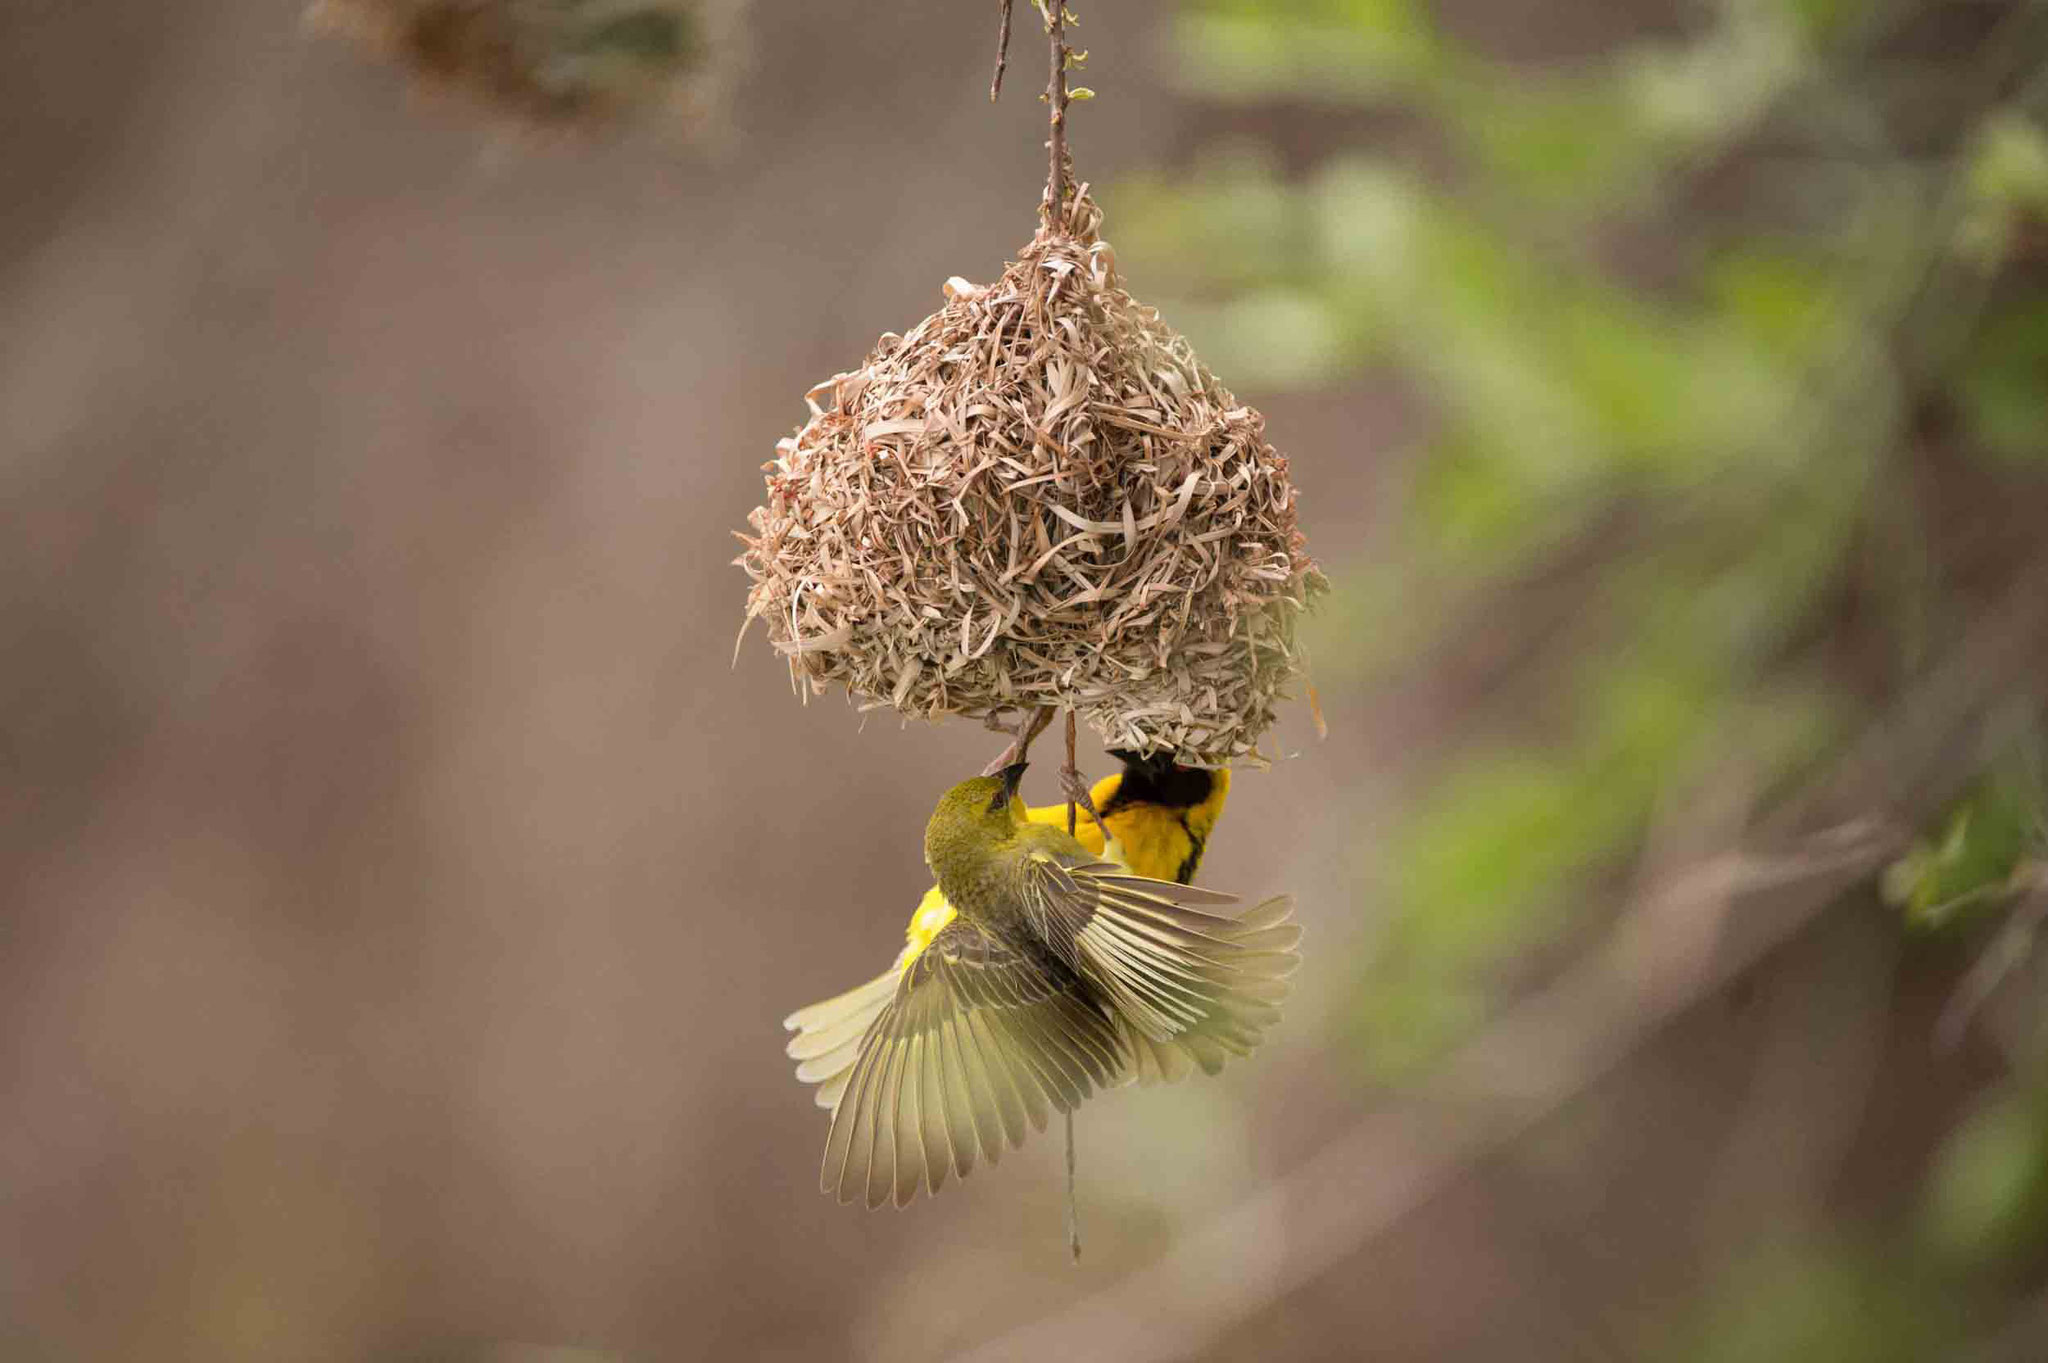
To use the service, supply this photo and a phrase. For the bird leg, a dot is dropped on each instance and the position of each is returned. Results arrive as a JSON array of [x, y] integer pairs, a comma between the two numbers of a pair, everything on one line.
[[1028, 727], [1076, 789]]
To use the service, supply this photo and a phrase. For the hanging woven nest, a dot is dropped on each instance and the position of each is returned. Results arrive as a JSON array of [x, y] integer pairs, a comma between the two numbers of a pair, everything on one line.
[[1039, 497], [552, 64]]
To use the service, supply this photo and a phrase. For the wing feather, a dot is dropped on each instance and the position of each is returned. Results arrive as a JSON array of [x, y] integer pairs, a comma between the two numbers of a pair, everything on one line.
[[1155, 1062], [862, 1002], [1178, 975], [832, 1089], [961, 1130], [839, 1139], [1036, 1073], [987, 1112], [881, 1122], [828, 1034], [979, 1044], [931, 1113], [1001, 1080]]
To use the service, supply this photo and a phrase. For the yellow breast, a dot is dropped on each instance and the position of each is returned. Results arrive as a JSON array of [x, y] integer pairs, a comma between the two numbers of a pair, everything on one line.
[[933, 913], [1151, 841]]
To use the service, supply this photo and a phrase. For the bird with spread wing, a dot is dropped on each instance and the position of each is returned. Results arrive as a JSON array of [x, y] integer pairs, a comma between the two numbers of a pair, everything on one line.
[[1041, 967]]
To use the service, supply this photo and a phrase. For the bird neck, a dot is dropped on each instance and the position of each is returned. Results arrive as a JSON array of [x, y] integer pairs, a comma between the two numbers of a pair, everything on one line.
[[967, 859], [973, 880], [1201, 816]]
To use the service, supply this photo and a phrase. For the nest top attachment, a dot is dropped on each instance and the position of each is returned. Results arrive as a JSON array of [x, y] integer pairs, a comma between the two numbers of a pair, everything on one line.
[[1039, 496]]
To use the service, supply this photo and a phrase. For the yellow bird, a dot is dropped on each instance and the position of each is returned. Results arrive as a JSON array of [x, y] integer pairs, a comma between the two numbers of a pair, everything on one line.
[[1112, 977], [1159, 816]]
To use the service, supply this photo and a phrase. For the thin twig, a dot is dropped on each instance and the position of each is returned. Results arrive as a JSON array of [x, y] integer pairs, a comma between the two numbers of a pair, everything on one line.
[[995, 86], [1073, 1198], [1072, 769], [1077, 792], [1029, 727], [1056, 96], [2013, 944]]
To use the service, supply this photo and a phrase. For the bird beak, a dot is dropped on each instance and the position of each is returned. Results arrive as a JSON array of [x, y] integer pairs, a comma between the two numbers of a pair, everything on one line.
[[1013, 777]]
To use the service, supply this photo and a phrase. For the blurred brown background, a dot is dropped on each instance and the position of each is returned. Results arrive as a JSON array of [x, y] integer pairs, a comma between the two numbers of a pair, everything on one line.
[[403, 886]]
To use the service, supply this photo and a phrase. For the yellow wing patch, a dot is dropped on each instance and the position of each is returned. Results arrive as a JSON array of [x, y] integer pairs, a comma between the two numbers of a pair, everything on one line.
[[933, 913]]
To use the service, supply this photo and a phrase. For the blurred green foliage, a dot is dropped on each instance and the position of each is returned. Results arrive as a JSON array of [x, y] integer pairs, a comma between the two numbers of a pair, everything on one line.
[[1728, 420], [1975, 859], [1664, 445], [1989, 1195], [1819, 1302]]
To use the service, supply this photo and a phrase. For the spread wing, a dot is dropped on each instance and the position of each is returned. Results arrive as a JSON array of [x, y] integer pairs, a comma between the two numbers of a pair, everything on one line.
[[1186, 983], [828, 1034], [977, 1040]]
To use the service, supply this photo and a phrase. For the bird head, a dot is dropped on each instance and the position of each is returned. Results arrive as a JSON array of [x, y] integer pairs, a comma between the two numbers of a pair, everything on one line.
[[1156, 778], [976, 815]]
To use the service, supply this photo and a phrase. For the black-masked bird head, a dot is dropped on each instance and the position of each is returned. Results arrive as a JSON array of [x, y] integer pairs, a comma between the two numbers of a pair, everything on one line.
[[1155, 778]]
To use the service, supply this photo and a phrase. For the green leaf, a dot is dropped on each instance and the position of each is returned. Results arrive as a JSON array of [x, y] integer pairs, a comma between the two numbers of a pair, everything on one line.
[[1818, 1303], [1969, 864], [1339, 53], [2010, 165], [1989, 1190], [2003, 384]]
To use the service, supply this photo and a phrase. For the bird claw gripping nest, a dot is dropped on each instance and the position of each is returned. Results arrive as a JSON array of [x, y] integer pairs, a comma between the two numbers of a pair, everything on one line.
[[1038, 496]]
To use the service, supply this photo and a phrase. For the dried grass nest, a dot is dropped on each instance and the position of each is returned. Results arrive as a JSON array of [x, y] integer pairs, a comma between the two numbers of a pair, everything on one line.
[[1039, 496]]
